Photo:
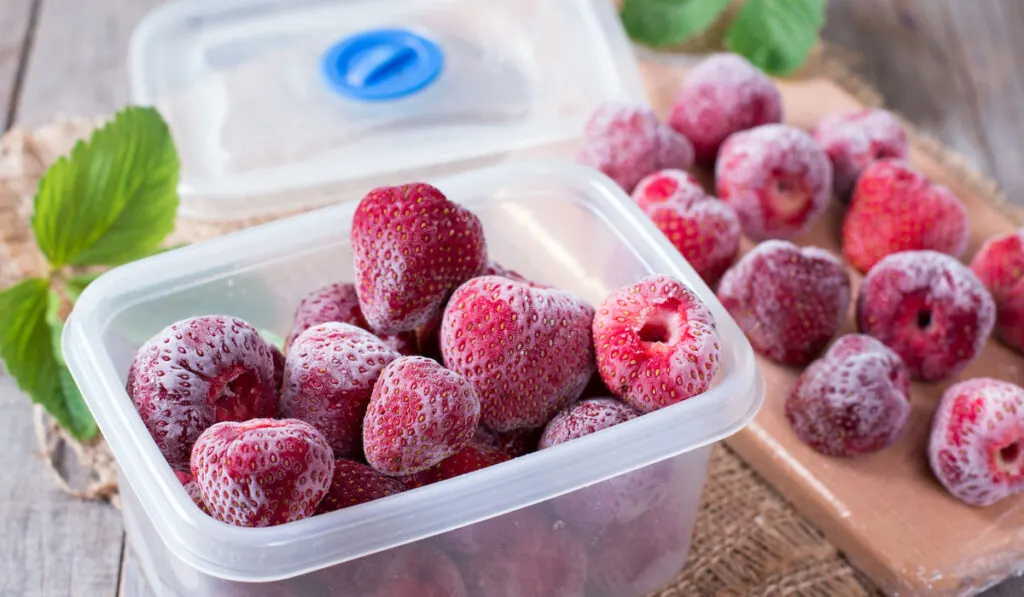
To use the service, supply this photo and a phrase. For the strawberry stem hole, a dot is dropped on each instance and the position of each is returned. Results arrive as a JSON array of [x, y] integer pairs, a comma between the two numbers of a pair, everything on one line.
[[654, 331], [1008, 457], [924, 318]]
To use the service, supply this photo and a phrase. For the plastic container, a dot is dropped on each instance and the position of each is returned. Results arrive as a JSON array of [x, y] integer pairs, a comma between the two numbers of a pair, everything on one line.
[[263, 121], [620, 503]]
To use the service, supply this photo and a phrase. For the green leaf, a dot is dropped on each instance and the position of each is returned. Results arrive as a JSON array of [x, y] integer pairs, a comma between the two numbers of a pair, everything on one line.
[[660, 23], [114, 198], [79, 419], [30, 355], [76, 284], [272, 338], [777, 35]]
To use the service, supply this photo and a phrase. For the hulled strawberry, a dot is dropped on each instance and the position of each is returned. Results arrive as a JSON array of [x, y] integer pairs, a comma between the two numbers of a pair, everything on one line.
[[412, 248], [1000, 267], [526, 351], [355, 483]]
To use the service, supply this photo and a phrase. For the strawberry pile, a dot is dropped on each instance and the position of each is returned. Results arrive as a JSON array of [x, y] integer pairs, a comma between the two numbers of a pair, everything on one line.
[[433, 363], [921, 313]]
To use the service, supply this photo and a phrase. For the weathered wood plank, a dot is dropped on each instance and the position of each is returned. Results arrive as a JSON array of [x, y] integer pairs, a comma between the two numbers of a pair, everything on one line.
[[16, 16], [52, 543], [77, 63]]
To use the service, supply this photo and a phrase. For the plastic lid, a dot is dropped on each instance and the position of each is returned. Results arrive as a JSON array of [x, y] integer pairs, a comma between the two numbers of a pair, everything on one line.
[[277, 105]]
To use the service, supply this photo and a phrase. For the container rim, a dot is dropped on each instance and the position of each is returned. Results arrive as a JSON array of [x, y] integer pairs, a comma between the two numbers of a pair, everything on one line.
[[202, 542]]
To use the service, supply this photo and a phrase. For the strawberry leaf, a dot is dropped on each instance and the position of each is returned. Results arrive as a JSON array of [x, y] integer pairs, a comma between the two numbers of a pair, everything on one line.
[[777, 35], [659, 23]]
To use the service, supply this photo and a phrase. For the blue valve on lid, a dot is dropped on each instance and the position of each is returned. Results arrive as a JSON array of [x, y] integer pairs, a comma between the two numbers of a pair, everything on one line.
[[382, 64]]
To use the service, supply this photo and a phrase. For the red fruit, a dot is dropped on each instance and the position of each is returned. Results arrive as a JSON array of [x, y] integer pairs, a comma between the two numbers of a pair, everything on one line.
[[705, 230], [895, 209], [198, 372], [474, 456], [928, 308], [640, 556], [1000, 267], [415, 570], [854, 400], [526, 351], [627, 142], [496, 269], [522, 555], [262, 472], [776, 178], [354, 483], [339, 302], [618, 500], [420, 413], [585, 417], [788, 301], [329, 376], [976, 448], [189, 484], [722, 95], [853, 140], [656, 343], [278, 358], [412, 248]]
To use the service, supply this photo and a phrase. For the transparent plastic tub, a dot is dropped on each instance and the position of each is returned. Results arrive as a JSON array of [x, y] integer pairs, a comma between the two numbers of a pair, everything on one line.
[[618, 505]]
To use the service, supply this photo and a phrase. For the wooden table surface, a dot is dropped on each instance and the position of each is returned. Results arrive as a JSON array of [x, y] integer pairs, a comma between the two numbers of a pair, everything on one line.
[[952, 67]]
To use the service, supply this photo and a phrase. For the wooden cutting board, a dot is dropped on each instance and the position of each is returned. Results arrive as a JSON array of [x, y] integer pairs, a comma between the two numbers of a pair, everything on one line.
[[885, 511]]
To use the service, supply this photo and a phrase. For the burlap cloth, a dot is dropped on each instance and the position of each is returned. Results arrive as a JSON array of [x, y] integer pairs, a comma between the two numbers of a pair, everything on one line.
[[748, 540]]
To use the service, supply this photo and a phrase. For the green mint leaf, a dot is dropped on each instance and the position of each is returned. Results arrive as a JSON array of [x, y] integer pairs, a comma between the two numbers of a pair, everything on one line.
[[79, 419], [76, 284], [27, 350], [113, 199], [272, 338], [659, 23], [777, 35]]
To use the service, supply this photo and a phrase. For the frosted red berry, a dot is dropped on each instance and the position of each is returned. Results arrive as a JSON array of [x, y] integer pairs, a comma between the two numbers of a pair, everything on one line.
[[854, 400], [722, 95], [476, 455], [976, 447], [656, 343], [412, 571], [527, 351], [262, 472], [627, 142], [340, 302], [853, 140], [895, 209], [190, 487], [703, 229], [412, 248], [355, 483], [329, 376], [776, 178], [197, 372], [585, 417], [1000, 267], [420, 413], [929, 308], [789, 301]]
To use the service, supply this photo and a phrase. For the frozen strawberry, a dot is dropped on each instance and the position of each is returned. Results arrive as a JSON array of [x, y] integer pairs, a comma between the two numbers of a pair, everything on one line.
[[585, 417], [474, 456], [705, 230], [527, 351], [329, 376], [189, 484], [853, 140], [656, 343], [618, 500], [278, 358], [1000, 267], [420, 413], [339, 302], [198, 372], [895, 209], [529, 558], [929, 308], [496, 533], [354, 483], [722, 95], [776, 178], [976, 448], [415, 570], [627, 142], [262, 472], [412, 248], [518, 442], [642, 555], [789, 301], [855, 400]]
